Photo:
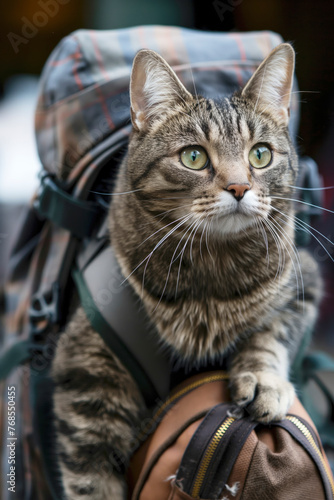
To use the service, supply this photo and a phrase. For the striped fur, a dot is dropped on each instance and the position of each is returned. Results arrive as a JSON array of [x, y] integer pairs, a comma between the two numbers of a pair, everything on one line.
[[216, 275]]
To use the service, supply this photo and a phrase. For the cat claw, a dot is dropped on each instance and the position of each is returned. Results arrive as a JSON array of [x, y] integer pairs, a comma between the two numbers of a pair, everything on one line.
[[236, 412], [264, 395]]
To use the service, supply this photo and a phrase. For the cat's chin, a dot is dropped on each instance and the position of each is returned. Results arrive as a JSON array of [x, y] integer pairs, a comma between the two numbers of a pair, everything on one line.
[[232, 224]]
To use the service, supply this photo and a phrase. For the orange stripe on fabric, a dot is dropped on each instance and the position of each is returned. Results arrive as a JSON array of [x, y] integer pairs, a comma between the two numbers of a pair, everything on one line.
[[242, 51], [105, 108], [239, 75], [98, 54], [105, 75], [75, 71], [269, 42], [171, 46], [59, 62], [241, 47], [142, 37]]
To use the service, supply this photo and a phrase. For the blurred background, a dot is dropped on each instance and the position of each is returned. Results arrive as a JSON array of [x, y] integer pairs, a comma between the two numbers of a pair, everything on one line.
[[30, 29]]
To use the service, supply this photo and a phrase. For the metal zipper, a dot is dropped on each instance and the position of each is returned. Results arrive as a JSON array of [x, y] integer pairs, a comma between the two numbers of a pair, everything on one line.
[[306, 432], [214, 443], [205, 462]]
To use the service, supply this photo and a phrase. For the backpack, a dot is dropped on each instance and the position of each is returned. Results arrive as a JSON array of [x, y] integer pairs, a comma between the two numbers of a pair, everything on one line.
[[62, 247], [199, 450]]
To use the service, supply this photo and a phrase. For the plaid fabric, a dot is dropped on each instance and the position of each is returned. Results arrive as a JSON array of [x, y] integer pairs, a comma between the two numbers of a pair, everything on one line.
[[84, 94], [82, 113]]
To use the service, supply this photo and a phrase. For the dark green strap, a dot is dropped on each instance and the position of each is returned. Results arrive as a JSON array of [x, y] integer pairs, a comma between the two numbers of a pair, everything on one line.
[[13, 356], [317, 361], [297, 368], [313, 364], [113, 341], [55, 204]]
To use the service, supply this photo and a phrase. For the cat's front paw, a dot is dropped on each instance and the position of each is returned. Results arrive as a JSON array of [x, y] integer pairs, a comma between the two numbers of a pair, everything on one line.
[[265, 396]]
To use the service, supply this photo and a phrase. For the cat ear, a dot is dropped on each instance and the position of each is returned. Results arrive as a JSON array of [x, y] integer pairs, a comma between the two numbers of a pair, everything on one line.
[[154, 89], [270, 86]]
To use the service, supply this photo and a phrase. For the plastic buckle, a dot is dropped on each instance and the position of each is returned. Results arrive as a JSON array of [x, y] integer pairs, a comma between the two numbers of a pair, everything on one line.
[[44, 312]]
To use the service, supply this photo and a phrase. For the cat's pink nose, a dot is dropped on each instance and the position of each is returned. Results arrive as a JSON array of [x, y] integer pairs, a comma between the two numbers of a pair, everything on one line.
[[238, 190]]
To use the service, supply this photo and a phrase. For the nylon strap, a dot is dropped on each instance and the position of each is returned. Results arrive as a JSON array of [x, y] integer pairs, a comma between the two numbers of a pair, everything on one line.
[[55, 204], [115, 341]]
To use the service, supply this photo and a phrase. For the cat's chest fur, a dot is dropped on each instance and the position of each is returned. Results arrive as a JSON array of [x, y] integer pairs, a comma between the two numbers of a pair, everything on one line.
[[204, 300]]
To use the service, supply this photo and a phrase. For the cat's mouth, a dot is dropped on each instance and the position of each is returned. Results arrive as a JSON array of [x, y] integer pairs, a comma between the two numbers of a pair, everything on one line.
[[232, 223], [232, 216]]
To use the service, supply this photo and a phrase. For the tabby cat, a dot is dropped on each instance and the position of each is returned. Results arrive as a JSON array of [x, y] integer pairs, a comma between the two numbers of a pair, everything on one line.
[[205, 237]]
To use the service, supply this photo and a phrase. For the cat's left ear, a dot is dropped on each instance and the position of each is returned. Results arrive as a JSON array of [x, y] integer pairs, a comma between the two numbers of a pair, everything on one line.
[[271, 85], [154, 89]]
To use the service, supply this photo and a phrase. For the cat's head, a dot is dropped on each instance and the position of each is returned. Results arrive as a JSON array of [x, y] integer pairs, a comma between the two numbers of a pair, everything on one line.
[[215, 162]]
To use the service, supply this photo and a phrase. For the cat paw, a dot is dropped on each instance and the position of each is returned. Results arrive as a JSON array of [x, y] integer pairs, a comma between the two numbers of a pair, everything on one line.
[[265, 396]]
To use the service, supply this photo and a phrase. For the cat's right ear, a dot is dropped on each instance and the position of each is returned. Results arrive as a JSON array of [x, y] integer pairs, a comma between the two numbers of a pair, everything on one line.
[[154, 89], [270, 87]]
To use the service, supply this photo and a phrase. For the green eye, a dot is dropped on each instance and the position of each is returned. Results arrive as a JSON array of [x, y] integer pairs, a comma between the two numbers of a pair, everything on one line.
[[259, 156], [194, 157]]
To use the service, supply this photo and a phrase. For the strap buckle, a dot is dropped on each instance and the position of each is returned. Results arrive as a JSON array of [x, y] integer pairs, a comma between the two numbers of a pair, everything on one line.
[[44, 312], [44, 315]]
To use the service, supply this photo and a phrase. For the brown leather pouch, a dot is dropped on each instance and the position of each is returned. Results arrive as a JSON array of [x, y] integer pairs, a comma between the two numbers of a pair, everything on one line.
[[200, 451]]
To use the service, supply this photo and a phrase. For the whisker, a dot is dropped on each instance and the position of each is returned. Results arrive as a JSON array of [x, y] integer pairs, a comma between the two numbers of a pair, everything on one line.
[[190, 227], [150, 255], [295, 252], [206, 239], [312, 189], [265, 237], [161, 229], [116, 194], [304, 203], [192, 241], [172, 198], [170, 266], [163, 214], [200, 241], [279, 243], [300, 223], [181, 258], [302, 92], [163, 239], [273, 233]]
